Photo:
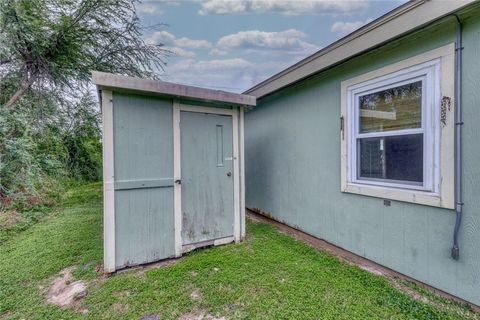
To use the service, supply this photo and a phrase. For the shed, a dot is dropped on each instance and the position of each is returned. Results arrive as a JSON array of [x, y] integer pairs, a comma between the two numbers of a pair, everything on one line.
[[172, 168]]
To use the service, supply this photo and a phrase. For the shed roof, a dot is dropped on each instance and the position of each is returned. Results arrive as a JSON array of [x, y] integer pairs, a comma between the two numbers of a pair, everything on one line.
[[394, 24], [112, 81]]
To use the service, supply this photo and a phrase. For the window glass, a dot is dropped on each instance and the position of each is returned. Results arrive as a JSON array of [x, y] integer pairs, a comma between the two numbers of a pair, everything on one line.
[[392, 109], [394, 158]]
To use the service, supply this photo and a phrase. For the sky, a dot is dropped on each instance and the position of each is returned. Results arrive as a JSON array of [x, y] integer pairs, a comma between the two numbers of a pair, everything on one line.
[[232, 45]]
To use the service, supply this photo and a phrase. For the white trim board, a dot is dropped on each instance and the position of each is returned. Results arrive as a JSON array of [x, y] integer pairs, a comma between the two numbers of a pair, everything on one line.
[[177, 174], [242, 172], [109, 80], [236, 178], [108, 183]]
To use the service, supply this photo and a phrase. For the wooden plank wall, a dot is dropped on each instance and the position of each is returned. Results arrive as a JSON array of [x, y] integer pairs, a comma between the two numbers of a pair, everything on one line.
[[143, 147]]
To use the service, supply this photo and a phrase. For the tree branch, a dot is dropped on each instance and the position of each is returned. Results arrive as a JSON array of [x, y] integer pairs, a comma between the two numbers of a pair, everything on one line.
[[26, 84]]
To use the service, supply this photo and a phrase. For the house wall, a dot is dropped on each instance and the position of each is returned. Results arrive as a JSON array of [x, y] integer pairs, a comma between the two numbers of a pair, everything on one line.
[[292, 145]]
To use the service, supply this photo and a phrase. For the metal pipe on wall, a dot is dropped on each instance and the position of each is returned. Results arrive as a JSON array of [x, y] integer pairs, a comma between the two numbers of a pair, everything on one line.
[[458, 139]]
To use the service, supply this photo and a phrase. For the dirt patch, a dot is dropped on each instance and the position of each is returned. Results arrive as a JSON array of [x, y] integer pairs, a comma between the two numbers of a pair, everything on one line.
[[371, 269], [65, 293], [141, 270], [403, 286], [151, 317], [195, 295], [119, 307], [412, 293], [6, 315], [199, 315], [253, 219], [10, 218], [124, 293]]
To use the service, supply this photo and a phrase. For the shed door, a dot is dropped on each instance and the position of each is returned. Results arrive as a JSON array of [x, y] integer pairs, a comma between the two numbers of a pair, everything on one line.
[[207, 176]]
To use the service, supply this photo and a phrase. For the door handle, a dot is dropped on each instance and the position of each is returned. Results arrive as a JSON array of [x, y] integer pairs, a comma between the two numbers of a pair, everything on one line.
[[178, 181], [229, 174]]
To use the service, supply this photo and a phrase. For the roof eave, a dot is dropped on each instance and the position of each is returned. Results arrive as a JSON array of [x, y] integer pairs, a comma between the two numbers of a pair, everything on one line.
[[396, 23], [111, 81]]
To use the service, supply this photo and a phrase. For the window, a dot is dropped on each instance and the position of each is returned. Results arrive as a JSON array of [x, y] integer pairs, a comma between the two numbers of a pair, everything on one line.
[[392, 129], [391, 142]]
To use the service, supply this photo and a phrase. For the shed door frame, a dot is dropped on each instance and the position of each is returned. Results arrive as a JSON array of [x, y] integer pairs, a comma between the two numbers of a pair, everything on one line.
[[177, 172]]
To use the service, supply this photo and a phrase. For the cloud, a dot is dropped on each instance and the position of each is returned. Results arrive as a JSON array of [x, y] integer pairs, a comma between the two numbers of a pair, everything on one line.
[[223, 74], [290, 41], [218, 52], [210, 65], [148, 8], [177, 45], [153, 7], [169, 39], [180, 52], [348, 27], [163, 37], [234, 75], [285, 7], [193, 44], [270, 52]]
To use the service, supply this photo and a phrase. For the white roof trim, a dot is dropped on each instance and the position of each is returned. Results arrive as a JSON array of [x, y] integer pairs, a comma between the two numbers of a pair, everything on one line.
[[408, 17], [113, 81]]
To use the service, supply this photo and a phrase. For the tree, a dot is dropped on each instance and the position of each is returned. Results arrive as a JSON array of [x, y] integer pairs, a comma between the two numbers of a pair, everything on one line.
[[53, 45], [49, 119]]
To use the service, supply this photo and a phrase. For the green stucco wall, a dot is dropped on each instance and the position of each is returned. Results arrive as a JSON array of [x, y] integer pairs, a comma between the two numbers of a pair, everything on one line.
[[293, 172]]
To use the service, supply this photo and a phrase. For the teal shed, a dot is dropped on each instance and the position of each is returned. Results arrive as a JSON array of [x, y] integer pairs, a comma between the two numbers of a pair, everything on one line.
[[172, 168], [372, 144]]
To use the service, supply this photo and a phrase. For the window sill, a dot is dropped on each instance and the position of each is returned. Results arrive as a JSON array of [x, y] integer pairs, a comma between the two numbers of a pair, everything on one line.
[[405, 195]]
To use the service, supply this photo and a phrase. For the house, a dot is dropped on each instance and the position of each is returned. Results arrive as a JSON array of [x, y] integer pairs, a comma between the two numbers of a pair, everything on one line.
[[373, 144]]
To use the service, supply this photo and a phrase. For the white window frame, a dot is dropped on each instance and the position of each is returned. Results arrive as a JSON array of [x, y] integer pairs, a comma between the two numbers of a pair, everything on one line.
[[436, 71], [428, 74]]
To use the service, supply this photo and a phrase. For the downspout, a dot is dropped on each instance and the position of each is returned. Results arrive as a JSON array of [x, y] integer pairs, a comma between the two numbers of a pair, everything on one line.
[[458, 139]]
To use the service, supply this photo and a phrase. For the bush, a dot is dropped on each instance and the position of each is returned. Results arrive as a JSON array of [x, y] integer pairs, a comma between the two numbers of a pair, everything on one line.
[[44, 143], [83, 142]]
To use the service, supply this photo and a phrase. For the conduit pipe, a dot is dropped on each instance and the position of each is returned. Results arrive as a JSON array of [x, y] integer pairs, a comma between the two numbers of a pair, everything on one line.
[[458, 139]]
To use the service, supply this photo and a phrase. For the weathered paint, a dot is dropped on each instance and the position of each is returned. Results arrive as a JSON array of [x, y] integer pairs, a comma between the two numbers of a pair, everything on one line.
[[143, 144], [143, 218], [293, 172], [207, 176]]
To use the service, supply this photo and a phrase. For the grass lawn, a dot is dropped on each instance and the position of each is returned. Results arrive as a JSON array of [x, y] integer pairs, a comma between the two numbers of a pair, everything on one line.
[[269, 276]]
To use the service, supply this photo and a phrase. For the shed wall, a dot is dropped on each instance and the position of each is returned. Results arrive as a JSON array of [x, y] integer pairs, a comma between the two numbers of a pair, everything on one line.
[[293, 172], [143, 153]]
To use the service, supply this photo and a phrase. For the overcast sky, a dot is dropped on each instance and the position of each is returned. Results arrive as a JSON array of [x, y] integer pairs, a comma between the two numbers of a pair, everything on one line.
[[233, 44]]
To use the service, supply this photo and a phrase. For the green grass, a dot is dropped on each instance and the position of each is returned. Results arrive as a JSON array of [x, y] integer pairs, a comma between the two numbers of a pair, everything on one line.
[[26, 211], [269, 276]]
